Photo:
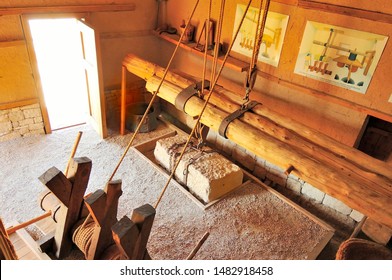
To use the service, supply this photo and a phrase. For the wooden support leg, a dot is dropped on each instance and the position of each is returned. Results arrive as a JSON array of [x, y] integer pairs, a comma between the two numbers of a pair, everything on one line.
[[70, 192], [125, 235], [103, 209], [123, 99], [144, 218]]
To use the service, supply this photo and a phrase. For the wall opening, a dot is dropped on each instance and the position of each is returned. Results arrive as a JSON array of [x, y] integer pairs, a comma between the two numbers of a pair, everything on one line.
[[58, 48], [377, 139]]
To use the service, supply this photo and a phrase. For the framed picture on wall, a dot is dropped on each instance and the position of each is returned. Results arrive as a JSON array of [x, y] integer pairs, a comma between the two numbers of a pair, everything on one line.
[[272, 41], [340, 56]]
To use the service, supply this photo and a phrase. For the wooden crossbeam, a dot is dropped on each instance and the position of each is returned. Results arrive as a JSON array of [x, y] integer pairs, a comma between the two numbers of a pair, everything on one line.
[[66, 9]]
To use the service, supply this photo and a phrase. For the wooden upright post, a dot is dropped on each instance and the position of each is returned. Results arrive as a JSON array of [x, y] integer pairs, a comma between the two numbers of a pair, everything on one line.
[[123, 99], [103, 209], [70, 192]]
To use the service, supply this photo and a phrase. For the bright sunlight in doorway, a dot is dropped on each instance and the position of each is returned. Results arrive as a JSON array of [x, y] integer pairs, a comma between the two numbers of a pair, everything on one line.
[[59, 52]]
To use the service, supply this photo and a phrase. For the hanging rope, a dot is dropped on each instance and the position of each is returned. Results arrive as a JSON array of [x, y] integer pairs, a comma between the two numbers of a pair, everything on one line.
[[218, 36], [200, 127], [252, 72], [154, 95], [204, 106]]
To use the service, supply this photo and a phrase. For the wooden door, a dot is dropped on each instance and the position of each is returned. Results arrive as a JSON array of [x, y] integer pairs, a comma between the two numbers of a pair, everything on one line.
[[93, 70]]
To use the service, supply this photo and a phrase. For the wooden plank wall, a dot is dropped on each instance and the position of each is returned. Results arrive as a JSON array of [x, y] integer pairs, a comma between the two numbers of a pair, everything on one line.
[[332, 110], [16, 80]]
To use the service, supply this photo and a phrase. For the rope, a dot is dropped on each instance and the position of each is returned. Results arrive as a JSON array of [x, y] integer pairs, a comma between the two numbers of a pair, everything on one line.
[[218, 36], [153, 96], [207, 26], [83, 235], [193, 160], [204, 107], [252, 73]]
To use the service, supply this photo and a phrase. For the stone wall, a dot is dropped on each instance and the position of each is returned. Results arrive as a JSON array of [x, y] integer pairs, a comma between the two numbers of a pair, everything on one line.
[[21, 122], [274, 176]]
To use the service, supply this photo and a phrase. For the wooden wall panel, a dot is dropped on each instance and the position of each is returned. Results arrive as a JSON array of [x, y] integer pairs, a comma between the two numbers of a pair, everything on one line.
[[16, 80]]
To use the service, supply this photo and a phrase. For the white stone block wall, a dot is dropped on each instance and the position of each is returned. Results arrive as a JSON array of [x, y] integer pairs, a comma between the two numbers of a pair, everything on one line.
[[21, 122], [265, 170]]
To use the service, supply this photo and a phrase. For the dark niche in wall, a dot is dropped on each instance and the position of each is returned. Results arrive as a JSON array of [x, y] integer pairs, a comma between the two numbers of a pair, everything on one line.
[[376, 140]]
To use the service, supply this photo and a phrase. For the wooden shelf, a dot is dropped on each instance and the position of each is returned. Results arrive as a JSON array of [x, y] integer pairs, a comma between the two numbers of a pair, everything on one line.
[[232, 63]]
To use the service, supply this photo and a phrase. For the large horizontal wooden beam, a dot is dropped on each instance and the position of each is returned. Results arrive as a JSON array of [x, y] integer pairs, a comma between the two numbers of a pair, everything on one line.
[[66, 9], [330, 169]]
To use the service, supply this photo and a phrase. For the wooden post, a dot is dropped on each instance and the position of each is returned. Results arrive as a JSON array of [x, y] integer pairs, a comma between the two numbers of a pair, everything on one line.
[[125, 235], [143, 217], [70, 192], [123, 99], [7, 250], [103, 209]]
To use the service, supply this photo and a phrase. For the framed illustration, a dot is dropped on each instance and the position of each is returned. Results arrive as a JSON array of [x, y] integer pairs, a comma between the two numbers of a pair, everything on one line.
[[272, 41], [340, 56]]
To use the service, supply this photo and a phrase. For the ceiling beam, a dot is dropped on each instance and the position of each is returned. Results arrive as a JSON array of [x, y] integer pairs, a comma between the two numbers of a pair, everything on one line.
[[337, 9], [66, 9]]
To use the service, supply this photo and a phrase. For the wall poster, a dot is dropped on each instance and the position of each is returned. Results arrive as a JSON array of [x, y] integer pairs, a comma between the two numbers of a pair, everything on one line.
[[274, 31], [340, 56]]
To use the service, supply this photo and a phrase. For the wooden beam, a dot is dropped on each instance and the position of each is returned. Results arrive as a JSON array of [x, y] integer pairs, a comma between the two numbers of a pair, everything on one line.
[[14, 104], [347, 11], [66, 9], [372, 200], [13, 43]]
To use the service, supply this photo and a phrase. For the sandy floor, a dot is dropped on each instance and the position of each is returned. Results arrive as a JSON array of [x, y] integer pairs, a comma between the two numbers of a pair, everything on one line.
[[259, 232]]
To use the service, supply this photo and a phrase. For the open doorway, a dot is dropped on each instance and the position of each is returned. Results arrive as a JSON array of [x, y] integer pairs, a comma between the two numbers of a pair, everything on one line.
[[59, 53]]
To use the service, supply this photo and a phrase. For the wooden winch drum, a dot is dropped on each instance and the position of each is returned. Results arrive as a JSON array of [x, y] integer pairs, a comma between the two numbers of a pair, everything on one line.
[[135, 113], [361, 249], [49, 202]]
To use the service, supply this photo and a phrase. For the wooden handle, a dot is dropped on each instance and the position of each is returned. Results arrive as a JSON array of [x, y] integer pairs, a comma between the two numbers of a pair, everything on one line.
[[198, 246], [73, 152], [25, 224]]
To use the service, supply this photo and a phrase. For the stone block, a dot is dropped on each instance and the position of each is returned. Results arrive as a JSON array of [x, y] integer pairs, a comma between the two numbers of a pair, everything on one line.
[[32, 113], [22, 130], [4, 116], [36, 126], [244, 158], [220, 142], [337, 205], [38, 120], [312, 192], [294, 185], [16, 116], [207, 174], [260, 171], [25, 122], [356, 216], [211, 137], [5, 127], [228, 147]]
